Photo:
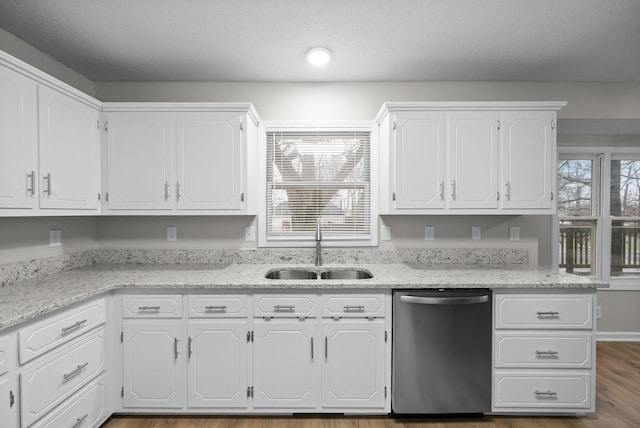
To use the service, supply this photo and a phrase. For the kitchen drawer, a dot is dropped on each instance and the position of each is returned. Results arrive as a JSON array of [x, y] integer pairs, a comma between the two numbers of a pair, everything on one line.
[[223, 306], [85, 409], [152, 306], [284, 305], [353, 305], [547, 311], [545, 391], [47, 384], [549, 349], [7, 353], [42, 336]]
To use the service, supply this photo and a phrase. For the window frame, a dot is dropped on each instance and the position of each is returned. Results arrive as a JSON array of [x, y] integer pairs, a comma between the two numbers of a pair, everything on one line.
[[601, 177], [322, 126]]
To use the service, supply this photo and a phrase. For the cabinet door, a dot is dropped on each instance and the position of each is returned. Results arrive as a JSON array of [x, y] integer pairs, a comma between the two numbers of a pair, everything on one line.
[[418, 152], [153, 365], [210, 161], [18, 141], [354, 369], [69, 151], [140, 157], [8, 402], [473, 160], [286, 364], [217, 369], [528, 159]]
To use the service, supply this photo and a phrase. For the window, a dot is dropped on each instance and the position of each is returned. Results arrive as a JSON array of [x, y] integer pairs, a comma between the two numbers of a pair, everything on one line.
[[599, 215], [316, 174]]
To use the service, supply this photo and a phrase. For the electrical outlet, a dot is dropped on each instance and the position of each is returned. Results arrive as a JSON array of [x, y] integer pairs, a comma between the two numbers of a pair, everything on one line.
[[598, 312], [476, 232], [249, 234], [172, 233], [514, 233], [429, 233], [55, 237], [385, 233]]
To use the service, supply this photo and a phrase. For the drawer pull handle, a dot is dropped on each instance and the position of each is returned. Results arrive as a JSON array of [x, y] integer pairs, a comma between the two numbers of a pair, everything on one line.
[[551, 314], [284, 308], [148, 308], [79, 421], [546, 394], [66, 330], [354, 308], [175, 348], [78, 369], [548, 353], [221, 308]]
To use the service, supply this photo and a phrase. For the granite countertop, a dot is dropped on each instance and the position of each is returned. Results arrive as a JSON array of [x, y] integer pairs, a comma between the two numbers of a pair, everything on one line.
[[25, 300]]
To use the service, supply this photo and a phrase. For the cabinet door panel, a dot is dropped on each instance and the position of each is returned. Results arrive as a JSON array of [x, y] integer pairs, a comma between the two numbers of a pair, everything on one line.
[[140, 158], [18, 141], [153, 365], [286, 357], [69, 152], [528, 154], [419, 160], [218, 364], [353, 370], [473, 160], [209, 166]]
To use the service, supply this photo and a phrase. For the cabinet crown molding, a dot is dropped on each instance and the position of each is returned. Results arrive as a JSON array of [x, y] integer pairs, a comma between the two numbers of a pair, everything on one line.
[[183, 107]]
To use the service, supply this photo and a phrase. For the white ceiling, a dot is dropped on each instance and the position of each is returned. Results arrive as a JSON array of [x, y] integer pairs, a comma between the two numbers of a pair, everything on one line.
[[372, 40]]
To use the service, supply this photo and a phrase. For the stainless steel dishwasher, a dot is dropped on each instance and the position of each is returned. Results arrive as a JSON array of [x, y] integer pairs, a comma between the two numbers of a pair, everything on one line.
[[441, 352]]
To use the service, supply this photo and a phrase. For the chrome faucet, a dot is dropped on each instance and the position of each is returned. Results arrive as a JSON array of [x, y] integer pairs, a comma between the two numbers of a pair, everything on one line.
[[318, 243]]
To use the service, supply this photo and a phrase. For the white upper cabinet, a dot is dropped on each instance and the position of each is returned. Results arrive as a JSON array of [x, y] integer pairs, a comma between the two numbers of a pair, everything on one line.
[[528, 152], [140, 148], [467, 157], [173, 158], [18, 141], [69, 151], [210, 162], [418, 167], [473, 159]]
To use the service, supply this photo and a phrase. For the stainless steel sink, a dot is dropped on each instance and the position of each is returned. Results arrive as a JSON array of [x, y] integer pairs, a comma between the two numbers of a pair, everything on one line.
[[346, 274], [291, 274]]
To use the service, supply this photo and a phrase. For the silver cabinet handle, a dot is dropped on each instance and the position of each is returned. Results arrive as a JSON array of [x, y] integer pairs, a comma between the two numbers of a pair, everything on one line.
[[445, 300], [393, 196], [508, 192], [312, 349], [148, 308], [177, 190], [190, 352], [175, 348], [284, 308], [79, 421], [77, 324], [166, 191], [551, 314], [453, 190], [221, 308], [12, 399], [326, 347], [548, 353], [354, 308], [47, 178], [32, 183], [78, 369], [242, 197], [545, 393], [442, 190]]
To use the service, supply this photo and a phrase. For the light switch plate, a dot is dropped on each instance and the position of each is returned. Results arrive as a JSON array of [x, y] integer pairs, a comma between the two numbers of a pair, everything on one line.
[[249, 234], [385, 233], [514, 233], [476, 232], [429, 233], [172, 233], [55, 238]]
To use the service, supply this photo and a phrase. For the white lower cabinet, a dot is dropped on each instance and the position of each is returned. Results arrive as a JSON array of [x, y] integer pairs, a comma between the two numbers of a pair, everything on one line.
[[218, 363], [286, 363], [353, 370], [154, 364], [544, 352]]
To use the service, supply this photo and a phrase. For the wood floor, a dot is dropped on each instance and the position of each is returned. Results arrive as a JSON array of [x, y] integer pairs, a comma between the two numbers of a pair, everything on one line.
[[617, 405]]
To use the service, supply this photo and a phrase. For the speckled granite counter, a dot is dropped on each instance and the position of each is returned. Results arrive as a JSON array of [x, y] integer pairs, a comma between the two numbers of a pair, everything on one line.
[[25, 300]]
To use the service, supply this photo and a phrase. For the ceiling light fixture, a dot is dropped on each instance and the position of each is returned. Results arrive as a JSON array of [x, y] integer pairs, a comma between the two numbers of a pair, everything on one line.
[[318, 56]]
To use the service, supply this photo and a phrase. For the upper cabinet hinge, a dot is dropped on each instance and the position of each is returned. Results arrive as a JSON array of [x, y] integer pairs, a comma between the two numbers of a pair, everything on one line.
[[498, 125], [394, 125], [122, 392], [106, 197], [106, 125], [385, 336], [553, 124], [122, 336], [252, 337], [385, 392], [552, 196], [97, 124], [98, 195], [242, 126], [12, 399]]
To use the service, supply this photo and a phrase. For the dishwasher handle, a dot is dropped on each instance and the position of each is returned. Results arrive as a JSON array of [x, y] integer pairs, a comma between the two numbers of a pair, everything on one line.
[[468, 300]]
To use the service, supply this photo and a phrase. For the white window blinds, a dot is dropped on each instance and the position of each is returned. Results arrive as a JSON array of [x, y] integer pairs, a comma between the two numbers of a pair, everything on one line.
[[318, 174]]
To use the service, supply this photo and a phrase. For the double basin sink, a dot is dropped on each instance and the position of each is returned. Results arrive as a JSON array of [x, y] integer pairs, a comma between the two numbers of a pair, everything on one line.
[[318, 274]]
